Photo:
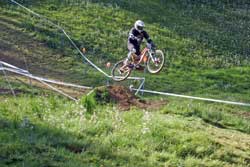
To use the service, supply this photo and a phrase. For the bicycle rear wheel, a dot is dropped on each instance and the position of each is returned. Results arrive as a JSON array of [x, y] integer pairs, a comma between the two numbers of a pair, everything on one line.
[[118, 73]]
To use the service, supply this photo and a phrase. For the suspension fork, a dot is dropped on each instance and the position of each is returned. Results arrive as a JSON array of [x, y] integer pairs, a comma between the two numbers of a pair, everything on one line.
[[151, 56]]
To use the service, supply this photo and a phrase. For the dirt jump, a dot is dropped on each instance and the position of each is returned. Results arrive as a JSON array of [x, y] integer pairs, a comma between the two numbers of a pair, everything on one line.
[[124, 98]]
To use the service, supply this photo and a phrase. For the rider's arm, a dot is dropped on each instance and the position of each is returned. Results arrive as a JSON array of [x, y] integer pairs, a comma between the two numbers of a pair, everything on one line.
[[145, 34], [149, 40]]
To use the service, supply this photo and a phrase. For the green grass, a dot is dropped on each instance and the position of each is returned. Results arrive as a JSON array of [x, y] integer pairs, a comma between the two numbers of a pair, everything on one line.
[[208, 56], [206, 43], [51, 131], [220, 115]]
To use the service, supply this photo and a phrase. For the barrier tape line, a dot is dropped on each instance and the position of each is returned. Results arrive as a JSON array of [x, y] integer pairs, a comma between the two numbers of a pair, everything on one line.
[[12, 66], [57, 90], [137, 90], [38, 79], [192, 97], [45, 79], [6, 78]]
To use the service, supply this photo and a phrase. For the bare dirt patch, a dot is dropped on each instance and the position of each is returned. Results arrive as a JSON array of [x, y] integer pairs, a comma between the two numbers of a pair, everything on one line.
[[125, 98], [245, 115]]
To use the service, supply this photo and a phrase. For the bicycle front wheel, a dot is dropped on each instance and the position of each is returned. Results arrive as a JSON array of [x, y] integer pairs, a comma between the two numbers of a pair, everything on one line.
[[156, 63]]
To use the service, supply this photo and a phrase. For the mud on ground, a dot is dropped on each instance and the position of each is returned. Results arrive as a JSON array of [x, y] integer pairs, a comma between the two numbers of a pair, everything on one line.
[[125, 98]]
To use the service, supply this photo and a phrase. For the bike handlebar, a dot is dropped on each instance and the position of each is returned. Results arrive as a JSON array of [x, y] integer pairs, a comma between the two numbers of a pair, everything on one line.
[[149, 46]]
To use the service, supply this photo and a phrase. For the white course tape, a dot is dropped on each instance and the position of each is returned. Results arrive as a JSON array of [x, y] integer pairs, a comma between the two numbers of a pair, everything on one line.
[[192, 97], [38, 79], [45, 79], [57, 90], [137, 90], [6, 78], [12, 66]]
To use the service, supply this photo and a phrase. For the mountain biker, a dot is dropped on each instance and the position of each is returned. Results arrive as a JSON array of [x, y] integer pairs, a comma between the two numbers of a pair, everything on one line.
[[135, 38]]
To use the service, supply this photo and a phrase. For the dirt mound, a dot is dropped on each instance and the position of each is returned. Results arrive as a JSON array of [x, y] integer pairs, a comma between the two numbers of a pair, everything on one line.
[[124, 98]]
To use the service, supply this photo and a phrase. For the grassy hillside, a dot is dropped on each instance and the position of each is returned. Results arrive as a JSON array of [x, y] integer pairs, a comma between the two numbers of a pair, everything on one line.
[[207, 51], [50, 131], [206, 44]]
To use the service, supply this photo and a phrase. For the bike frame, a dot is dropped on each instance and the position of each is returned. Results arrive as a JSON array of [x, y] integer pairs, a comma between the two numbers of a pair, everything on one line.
[[144, 56]]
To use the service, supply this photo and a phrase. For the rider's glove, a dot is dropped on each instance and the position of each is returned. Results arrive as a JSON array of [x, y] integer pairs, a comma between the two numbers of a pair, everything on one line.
[[153, 45]]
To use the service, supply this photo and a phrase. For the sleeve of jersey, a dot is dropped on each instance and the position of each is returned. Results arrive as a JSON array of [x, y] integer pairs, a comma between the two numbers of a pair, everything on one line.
[[149, 40]]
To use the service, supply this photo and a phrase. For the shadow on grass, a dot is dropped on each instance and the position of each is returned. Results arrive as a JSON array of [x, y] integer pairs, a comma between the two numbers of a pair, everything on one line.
[[28, 144]]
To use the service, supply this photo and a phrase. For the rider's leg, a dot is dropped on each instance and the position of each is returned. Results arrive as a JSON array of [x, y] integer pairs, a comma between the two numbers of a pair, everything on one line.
[[132, 50], [138, 52], [129, 57], [137, 59]]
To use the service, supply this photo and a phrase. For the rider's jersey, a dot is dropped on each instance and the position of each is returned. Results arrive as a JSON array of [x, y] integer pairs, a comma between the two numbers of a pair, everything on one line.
[[135, 37]]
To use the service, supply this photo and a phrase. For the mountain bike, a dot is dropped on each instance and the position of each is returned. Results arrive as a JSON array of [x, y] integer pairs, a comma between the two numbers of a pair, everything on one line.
[[153, 60]]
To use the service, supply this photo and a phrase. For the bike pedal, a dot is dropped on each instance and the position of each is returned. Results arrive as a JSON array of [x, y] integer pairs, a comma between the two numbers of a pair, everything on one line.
[[131, 65]]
